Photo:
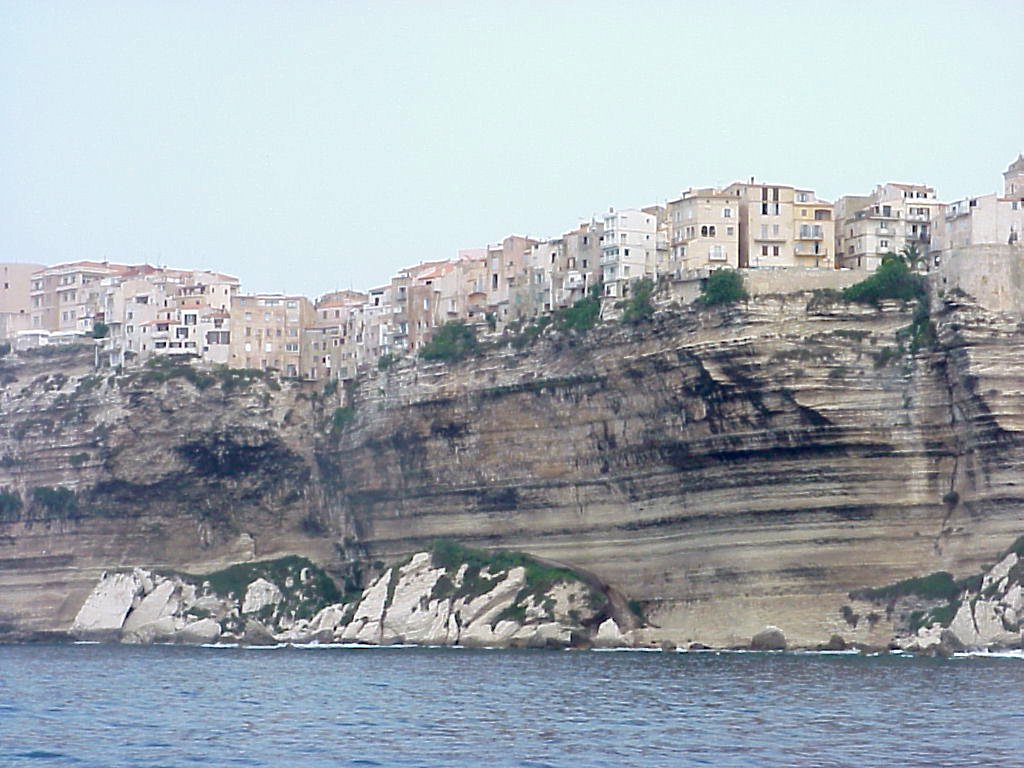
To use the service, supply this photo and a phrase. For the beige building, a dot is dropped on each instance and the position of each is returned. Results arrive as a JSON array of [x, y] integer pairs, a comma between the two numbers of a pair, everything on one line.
[[782, 226], [66, 297], [893, 217], [703, 231], [16, 297], [266, 332]]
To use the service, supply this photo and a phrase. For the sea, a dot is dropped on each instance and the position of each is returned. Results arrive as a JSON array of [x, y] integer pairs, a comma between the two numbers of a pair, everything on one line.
[[161, 706]]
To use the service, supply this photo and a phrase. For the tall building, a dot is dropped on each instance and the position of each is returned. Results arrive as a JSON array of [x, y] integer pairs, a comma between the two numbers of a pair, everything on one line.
[[893, 217], [782, 226], [65, 297], [703, 230], [629, 248], [266, 332]]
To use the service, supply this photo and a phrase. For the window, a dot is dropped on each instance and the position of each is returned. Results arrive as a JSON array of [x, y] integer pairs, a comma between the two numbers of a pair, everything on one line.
[[727, 213], [729, 230], [703, 231], [775, 250], [711, 231], [764, 250], [883, 243]]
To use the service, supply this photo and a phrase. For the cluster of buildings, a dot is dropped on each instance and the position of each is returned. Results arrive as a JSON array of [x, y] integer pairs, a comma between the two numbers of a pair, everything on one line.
[[141, 311]]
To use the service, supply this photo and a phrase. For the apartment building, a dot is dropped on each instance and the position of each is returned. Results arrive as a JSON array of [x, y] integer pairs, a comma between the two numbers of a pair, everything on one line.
[[703, 231], [65, 297], [152, 311], [893, 217], [266, 332], [782, 226], [16, 297], [629, 248]]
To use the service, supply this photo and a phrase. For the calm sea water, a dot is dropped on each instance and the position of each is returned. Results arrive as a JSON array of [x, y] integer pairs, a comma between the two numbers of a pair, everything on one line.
[[93, 705]]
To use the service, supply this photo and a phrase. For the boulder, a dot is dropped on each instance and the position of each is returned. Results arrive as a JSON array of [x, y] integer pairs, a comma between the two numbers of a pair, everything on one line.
[[259, 594], [158, 631], [256, 634], [198, 632], [609, 635], [328, 618], [835, 643], [158, 603], [770, 638], [104, 611]]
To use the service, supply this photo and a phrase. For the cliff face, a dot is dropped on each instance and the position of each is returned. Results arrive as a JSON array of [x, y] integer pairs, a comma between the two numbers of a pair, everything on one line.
[[727, 469]]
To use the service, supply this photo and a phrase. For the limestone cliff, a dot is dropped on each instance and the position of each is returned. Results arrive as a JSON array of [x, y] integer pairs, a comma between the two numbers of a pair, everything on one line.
[[726, 469]]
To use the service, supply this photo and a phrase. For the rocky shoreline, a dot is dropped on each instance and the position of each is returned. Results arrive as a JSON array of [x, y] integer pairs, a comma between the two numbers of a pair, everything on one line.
[[453, 596]]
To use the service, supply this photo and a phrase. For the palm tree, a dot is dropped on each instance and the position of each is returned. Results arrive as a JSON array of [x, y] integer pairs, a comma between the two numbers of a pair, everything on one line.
[[912, 256]]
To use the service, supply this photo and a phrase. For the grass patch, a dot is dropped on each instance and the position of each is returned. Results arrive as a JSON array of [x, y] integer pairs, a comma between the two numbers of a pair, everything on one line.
[[539, 577], [935, 586]]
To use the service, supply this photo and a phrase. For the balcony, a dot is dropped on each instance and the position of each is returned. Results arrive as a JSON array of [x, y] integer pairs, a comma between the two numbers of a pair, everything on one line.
[[773, 238], [810, 236]]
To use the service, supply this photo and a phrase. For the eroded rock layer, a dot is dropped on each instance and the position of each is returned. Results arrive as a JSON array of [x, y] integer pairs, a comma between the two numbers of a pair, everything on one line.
[[726, 469]]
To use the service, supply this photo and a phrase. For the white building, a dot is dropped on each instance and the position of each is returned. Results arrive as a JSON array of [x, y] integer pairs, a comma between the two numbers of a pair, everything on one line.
[[629, 249]]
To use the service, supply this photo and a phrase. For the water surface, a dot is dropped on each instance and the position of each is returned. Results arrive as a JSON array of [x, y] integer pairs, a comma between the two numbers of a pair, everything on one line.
[[111, 706]]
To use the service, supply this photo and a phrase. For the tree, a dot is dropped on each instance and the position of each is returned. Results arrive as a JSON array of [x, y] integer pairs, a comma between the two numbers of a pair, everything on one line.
[[723, 286], [639, 307], [100, 330], [912, 256]]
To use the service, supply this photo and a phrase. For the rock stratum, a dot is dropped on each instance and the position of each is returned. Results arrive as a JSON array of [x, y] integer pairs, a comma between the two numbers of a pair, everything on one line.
[[721, 470]]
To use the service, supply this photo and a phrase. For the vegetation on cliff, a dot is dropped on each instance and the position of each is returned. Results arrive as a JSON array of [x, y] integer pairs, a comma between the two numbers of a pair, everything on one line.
[[454, 341], [723, 286]]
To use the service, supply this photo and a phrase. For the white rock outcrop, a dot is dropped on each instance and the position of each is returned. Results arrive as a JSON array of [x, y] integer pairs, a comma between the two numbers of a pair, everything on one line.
[[104, 611], [259, 594]]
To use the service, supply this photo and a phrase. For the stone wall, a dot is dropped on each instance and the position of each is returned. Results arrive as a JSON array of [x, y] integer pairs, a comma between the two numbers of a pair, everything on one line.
[[992, 274]]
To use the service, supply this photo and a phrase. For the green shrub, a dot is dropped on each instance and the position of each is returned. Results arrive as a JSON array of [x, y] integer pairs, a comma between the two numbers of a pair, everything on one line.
[[452, 342], [723, 286], [386, 361], [78, 459], [100, 330], [59, 502], [10, 504], [581, 316], [892, 280], [638, 307], [342, 416]]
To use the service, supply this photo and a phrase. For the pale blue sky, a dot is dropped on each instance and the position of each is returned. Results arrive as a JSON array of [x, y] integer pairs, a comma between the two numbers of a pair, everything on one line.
[[309, 145]]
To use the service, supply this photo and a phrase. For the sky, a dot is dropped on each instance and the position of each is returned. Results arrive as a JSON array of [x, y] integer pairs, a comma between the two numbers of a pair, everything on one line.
[[310, 146]]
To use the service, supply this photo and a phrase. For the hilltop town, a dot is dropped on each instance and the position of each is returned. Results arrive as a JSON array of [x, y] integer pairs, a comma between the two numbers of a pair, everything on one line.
[[133, 313]]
